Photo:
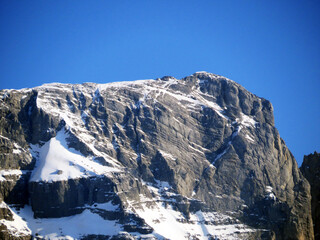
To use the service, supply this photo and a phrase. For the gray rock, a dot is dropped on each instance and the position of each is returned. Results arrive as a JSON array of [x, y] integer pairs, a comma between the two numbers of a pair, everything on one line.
[[5, 233], [310, 169], [214, 142]]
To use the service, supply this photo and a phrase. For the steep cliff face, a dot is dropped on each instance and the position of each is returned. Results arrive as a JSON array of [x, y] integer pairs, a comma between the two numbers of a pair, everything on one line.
[[310, 168], [200, 155]]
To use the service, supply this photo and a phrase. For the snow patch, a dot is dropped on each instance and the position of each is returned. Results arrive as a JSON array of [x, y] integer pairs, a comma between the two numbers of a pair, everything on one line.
[[58, 162], [18, 227], [106, 206], [102, 87], [167, 155], [84, 117], [73, 227], [172, 224], [11, 172], [250, 138], [269, 193], [152, 89], [247, 121], [5, 138]]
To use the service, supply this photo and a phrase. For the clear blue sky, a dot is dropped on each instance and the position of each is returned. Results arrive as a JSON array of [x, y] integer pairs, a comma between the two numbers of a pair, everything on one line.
[[271, 47]]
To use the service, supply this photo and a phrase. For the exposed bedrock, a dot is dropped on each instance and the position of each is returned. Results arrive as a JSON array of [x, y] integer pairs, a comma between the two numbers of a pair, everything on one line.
[[65, 198], [199, 143], [310, 168]]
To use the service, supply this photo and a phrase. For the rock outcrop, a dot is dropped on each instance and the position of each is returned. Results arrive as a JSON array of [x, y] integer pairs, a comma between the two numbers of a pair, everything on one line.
[[11, 226], [200, 151], [310, 168]]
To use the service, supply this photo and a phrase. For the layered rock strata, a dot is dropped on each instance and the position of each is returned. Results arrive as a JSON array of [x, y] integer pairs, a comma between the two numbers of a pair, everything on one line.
[[310, 168], [200, 151]]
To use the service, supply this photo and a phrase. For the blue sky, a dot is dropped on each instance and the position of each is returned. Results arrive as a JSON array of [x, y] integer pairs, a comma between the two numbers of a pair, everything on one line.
[[271, 47]]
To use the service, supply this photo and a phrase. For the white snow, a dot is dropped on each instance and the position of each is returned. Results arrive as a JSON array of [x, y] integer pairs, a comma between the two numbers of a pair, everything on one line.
[[272, 196], [247, 120], [268, 189], [57, 162], [152, 89], [163, 185], [210, 74], [4, 137], [106, 206], [84, 116], [16, 151], [167, 155], [75, 121], [250, 138], [220, 155], [212, 105], [159, 190], [10, 172], [72, 227], [171, 224], [17, 227], [3, 204], [244, 122], [269, 193], [102, 87]]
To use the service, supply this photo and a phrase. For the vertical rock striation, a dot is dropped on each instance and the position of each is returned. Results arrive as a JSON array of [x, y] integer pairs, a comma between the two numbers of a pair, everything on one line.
[[202, 149], [310, 168]]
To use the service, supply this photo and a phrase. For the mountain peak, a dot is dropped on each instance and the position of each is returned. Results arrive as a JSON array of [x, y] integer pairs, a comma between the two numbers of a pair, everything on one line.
[[163, 159]]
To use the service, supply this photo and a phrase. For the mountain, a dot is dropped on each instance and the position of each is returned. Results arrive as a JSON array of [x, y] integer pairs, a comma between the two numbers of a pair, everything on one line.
[[310, 168], [195, 158]]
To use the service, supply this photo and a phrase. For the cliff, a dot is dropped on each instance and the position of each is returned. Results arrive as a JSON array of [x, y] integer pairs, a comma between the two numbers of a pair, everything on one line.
[[197, 157], [310, 168]]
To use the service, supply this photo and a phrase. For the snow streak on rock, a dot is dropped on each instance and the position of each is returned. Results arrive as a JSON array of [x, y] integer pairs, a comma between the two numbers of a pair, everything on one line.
[[58, 162], [164, 159]]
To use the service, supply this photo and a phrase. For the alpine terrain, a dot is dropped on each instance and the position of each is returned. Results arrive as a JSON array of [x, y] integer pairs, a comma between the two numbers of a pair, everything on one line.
[[310, 168], [195, 158]]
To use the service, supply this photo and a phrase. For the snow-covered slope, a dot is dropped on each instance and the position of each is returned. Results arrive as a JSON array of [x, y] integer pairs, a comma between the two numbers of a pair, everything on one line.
[[58, 162]]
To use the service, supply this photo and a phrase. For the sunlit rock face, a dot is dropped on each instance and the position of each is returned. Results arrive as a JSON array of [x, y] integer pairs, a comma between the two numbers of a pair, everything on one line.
[[198, 157], [310, 168]]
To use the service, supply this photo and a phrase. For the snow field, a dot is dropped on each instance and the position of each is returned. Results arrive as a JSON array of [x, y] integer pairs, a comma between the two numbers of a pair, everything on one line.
[[17, 227], [57, 162], [171, 224], [73, 227]]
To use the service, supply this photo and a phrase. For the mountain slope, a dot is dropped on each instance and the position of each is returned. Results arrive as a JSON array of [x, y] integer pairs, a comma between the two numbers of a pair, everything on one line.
[[200, 156]]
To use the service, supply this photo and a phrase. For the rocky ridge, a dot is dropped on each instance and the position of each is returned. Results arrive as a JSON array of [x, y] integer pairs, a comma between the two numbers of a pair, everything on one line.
[[200, 155], [310, 168]]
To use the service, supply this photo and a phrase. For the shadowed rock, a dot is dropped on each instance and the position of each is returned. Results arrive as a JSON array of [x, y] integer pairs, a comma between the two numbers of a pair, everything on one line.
[[203, 142]]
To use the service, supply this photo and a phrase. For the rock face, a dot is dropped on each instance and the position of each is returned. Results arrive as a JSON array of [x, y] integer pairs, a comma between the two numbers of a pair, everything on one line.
[[310, 168], [198, 157], [11, 228]]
